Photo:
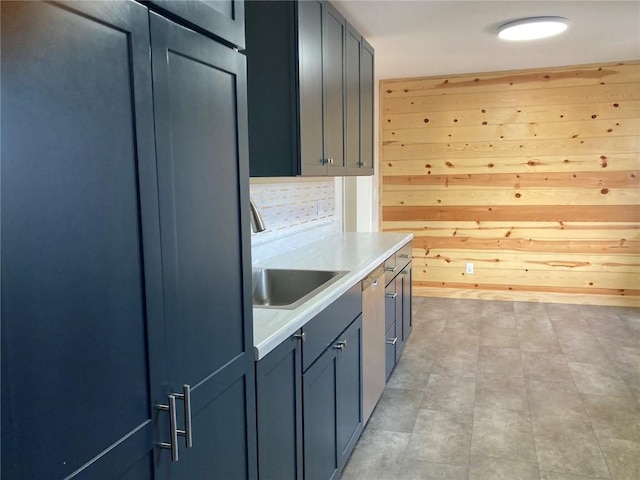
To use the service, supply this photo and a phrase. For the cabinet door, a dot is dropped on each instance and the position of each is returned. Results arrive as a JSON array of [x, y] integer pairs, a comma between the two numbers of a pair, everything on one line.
[[223, 18], [349, 390], [81, 285], [352, 101], [319, 413], [390, 340], [279, 400], [201, 144], [333, 41], [311, 88], [407, 322], [392, 302], [366, 108]]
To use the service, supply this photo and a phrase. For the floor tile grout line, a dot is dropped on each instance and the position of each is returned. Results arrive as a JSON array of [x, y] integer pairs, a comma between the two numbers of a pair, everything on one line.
[[526, 394]]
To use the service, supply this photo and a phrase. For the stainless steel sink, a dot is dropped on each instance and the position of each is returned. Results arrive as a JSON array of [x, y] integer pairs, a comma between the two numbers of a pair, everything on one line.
[[288, 289]]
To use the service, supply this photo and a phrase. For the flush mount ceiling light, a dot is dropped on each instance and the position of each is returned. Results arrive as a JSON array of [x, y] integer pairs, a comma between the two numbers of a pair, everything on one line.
[[532, 28]]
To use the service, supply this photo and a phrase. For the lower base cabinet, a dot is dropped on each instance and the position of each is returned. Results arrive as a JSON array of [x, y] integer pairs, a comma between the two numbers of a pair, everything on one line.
[[398, 317], [332, 406], [309, 422], [279, 406]]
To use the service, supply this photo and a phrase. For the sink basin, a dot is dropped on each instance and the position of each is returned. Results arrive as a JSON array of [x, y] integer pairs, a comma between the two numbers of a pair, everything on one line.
[[287, 289]]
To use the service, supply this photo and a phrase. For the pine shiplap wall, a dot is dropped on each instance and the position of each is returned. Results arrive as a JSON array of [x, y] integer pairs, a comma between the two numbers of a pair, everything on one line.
[[532, 176]]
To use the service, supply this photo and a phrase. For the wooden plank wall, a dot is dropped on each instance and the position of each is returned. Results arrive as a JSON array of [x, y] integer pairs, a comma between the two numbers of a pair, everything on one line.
[[532, 176]]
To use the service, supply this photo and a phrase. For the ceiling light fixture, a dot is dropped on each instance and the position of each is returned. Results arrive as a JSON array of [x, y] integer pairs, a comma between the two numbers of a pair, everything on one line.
[[532, 28]]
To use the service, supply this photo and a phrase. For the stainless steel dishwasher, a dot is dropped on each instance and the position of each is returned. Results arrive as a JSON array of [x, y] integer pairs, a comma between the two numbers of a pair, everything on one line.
[[373, 346]]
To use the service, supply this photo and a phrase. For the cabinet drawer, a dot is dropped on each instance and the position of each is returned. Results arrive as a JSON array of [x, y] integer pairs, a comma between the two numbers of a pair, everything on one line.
[[390, 301], [403, 256], [390, 269], [321, 331], [390, 341]]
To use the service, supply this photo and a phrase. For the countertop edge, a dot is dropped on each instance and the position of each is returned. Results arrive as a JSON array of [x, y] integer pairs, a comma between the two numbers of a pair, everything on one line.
[[309, 309]]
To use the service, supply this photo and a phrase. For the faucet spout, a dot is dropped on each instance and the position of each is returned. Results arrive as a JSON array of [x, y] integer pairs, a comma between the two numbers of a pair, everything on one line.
[[257, 224]]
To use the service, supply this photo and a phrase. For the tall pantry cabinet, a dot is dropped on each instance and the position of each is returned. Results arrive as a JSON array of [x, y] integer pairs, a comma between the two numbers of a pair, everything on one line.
[[125, 247]]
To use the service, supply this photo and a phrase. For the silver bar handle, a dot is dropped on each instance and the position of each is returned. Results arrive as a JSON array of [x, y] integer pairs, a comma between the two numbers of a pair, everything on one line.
[[301, 336], [340, 345], [404, 272], [391, 295], [392, 341], [187, 432], [173, 422], [404, 255], [389, 269], [374, 283]]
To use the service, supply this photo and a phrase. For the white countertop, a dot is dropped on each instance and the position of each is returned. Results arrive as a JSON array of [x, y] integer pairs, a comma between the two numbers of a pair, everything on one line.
[[357, 253]]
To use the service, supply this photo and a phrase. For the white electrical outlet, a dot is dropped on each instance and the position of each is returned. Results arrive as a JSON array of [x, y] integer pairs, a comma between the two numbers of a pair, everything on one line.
[[469, 268]]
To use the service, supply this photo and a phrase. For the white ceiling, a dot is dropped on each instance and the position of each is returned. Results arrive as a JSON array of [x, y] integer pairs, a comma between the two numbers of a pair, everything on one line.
[[429, 37]]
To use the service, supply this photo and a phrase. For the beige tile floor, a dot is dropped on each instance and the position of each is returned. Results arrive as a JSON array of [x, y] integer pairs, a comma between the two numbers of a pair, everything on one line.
[[489, 390]]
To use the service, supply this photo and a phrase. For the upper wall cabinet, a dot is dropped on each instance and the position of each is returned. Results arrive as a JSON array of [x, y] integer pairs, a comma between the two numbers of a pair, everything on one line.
[[222, 18], [358, 104], [306, 73], [365, 167]]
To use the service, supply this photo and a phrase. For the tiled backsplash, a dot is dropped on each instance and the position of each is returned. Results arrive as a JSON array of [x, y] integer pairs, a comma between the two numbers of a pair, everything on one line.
[[299, 207]]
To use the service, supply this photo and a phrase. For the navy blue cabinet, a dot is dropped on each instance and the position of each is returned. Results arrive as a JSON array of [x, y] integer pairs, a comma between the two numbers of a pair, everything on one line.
[[392, 317], [398, 312], [279, 402], [359, 78], [407, 317], [304, 74], [125, 256], [332, 405], [310, 411], [224, 19], [367, 56], [82, 336], [200, 123]]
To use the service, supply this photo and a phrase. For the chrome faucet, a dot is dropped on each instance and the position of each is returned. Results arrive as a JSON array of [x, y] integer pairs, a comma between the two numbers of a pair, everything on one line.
[[257, 224]]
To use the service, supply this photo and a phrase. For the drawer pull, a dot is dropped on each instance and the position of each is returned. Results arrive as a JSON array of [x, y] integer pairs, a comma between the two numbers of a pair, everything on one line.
[[405, 255], [186, 397], [391, 295], [390, 269], [392, 341], [173, 444], [301, 336], [340, 345]]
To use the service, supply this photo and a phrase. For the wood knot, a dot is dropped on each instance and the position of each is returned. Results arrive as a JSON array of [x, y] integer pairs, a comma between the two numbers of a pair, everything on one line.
[[604, 191]]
